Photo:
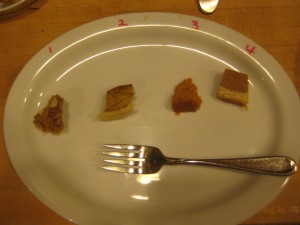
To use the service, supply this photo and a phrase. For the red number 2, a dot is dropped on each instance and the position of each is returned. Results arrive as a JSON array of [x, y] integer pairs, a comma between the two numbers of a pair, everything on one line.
[[122, 23]]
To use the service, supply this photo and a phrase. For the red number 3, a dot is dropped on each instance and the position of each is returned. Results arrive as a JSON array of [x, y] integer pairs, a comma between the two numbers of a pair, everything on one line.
[[195, 24]]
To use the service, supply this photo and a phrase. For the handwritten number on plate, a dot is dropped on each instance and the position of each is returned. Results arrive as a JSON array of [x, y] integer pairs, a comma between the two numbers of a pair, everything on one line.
[[122, 23], [195, 24], [249, 49]]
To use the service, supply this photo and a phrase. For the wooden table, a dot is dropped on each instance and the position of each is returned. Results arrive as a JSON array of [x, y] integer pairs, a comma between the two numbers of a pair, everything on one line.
[[273, 24]]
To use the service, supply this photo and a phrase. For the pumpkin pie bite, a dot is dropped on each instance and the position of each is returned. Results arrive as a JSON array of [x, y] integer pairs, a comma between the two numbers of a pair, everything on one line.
[[186, 98], [49, 119], [118, 103], [234, 88]]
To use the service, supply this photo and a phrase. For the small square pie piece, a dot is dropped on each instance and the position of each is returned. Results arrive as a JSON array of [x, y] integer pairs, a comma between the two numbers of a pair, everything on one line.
[[234, 88]]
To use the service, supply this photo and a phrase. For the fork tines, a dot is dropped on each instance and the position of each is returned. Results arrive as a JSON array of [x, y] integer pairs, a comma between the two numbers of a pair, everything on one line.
[[123, 146], [125, 158]]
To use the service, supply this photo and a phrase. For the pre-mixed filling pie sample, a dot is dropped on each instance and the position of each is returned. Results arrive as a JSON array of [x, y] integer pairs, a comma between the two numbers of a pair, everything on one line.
[[234, 88]]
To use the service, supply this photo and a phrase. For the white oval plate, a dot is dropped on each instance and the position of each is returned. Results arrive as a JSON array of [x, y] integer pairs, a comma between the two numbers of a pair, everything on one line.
[[154, 52]]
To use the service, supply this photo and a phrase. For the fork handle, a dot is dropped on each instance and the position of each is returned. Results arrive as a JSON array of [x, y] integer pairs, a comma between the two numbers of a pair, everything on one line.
[[272, 165]]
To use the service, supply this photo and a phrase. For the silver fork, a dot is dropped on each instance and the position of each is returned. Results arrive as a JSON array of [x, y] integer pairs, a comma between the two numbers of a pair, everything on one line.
[[139, 159]]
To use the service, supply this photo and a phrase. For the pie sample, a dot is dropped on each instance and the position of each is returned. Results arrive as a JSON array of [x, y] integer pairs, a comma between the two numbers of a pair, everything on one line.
[[49, 119], [186, 98], [234, 88], [118, 103]]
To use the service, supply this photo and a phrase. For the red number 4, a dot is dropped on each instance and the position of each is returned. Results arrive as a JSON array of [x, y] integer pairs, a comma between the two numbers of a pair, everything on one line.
[[249, 49]]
